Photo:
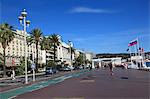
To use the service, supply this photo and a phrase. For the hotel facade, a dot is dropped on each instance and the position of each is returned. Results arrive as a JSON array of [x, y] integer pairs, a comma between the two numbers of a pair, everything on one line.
[[16, 50]]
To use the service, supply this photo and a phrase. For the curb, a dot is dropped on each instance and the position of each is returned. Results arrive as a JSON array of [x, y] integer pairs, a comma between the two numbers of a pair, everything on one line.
[[144, 69], [7, 78]]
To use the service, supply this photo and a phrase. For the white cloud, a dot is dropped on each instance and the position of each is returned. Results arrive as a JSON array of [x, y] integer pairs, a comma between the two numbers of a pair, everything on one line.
[[89, 10]]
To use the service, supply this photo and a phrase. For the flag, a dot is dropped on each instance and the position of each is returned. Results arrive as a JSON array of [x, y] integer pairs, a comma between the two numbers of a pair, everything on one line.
[[132, 43], [127, 49], [141, 49]]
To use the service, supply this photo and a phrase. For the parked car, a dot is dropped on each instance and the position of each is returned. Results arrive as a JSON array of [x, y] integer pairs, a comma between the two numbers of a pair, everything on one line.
[[65, 69], [76, 68], [50, 70], [71, 67]]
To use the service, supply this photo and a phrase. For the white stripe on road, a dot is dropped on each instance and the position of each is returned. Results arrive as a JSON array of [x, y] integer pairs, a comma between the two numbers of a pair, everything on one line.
[[12, 97]]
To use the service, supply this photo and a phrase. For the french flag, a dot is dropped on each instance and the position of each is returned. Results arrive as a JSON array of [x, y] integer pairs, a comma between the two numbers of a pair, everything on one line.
[[132, 43]]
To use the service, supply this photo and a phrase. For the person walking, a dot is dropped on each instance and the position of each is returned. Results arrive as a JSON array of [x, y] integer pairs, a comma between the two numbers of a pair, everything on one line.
[[98, 67], [90, 67], [13, 74], [111, 69]]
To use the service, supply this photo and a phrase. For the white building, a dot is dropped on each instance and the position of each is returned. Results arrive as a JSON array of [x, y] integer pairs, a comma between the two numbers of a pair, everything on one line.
[[16, 49], [64, 53], [88, 56], [103, 61]]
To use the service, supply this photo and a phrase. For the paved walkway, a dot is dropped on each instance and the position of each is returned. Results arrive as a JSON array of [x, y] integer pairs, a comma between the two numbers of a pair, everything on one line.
[[7, 84], [97, 84], [39, 85]]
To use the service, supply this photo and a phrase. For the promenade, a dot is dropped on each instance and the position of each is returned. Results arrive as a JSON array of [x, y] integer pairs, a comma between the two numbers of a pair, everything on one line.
[[95, 84]]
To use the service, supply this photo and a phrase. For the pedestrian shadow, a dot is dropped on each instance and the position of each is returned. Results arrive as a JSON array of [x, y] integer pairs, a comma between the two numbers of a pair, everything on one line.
[[124, 77], [89, 77]]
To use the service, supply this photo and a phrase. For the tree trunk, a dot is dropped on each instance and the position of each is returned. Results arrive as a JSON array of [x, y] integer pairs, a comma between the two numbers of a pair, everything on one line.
[[4, 65], [37, 56]]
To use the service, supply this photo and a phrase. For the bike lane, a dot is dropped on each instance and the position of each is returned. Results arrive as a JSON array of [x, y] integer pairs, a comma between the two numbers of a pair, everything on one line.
[[39, 85]]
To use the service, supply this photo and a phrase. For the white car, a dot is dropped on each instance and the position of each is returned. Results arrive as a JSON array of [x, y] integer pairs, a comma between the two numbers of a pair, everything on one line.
[[133, 66], [71, 67]]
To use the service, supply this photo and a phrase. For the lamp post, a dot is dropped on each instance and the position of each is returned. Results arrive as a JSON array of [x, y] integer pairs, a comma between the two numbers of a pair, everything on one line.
[[25, 23]]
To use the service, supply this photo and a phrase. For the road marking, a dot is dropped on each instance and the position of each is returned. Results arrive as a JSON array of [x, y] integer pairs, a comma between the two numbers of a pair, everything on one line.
[[68, 98], [12, 97], [87, 81], [10, 90], [40, 86]]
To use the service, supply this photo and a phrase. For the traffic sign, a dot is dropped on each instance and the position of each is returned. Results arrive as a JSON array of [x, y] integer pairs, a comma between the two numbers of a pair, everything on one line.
[[33, 66]]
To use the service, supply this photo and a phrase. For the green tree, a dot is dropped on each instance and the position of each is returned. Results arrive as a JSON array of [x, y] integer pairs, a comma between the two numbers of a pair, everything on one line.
[[30, 40], [46, 44], [50, 63], [79, 60], [21, 67], [36, 36], [88, 62], [71, 50], [54, 39], [6, 36]]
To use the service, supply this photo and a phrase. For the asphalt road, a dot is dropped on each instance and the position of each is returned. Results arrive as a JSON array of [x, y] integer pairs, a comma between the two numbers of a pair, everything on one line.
[[97, 84]]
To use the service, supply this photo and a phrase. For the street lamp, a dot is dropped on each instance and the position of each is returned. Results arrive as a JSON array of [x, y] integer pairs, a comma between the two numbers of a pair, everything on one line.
[[25, 23]]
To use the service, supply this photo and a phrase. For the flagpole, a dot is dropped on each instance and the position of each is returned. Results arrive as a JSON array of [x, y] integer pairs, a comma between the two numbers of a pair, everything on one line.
[[138, 46], [142, 54], [135, 50], [130, 54], [135, 54]]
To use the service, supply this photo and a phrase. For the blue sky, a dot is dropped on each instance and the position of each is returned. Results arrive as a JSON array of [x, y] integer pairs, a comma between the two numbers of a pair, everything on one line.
[[100, 26]]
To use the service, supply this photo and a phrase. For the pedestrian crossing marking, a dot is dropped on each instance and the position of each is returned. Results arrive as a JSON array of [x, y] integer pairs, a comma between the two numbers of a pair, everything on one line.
[[86, 81]]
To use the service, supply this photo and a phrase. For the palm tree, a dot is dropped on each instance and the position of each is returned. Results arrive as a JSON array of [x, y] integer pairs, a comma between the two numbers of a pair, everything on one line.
[[71, 50], [36, 35], [30, 40], [6, 36], [45, 44], [55, 41]]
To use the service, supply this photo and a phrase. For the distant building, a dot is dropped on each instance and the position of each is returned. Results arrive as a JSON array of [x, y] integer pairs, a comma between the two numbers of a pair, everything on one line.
[[108, 55], [147, 55], [101, 62], [15, 51], [63, 53], [88, 56]]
